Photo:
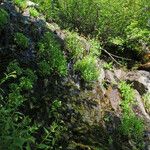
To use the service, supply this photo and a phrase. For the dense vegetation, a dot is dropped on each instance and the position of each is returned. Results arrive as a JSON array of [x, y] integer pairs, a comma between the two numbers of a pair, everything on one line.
[[36, 64]]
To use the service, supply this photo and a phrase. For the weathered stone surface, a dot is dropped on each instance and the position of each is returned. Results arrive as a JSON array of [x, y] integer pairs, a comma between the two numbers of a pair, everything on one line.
[[114, 76], [110, 77], [140, 80], [119, 74], [140, 110], [114, 97]]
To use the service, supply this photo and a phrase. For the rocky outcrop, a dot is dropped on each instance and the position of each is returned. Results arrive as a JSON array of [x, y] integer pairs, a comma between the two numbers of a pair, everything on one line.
[[91, 112], [140, 80]]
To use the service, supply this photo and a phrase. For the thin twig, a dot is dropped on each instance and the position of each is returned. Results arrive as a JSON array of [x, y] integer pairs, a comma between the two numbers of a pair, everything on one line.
[[116, 55], [112, 57]]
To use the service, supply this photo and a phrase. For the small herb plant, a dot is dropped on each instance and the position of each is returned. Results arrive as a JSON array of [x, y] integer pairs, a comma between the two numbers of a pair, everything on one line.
[[51, 57], [88, 68], [95, 47], [33, 12], [53, 133], [108, 66], [15, 127], [21, 40], [3, 18], [131, 125], [74, 45], [22, 4]]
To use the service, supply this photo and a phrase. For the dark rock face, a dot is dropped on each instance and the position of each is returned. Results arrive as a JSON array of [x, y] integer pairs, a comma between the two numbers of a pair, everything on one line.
[[140, 81]]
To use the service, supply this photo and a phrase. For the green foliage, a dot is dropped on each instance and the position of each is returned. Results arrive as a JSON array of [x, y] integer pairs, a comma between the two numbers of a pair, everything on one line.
[[109, 20], [74, 45], [146, 100], [14, 126], [45, 7], [22, 4], [108, 66], [131, 125], [14, 66], [137, 38], [3, 18], [95, 47], [50, 56], [21, 40], [80, 14], [26, 83], [127, 94], [7, 76], [33, 12], [88, 68], [53, 134]]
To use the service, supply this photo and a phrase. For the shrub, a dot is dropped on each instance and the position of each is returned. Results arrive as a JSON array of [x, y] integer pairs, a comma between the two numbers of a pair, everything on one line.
[[3, 18], [21, 40], [95, 47], [88, 68], [33, 12], [106, 19], [75, 45], [81, 14], [137, 38], [22, 4], [51, 57], [45, 7]]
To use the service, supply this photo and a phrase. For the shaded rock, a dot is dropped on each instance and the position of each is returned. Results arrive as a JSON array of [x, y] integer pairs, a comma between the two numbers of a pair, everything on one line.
[[140, 81], [114, 76], [119, 74], [114, 97], [102, 75], [139, 107], [110, 77]]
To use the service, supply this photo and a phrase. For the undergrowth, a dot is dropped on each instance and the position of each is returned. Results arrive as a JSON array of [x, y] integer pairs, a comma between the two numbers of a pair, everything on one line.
[[131, 125], [51, 57]]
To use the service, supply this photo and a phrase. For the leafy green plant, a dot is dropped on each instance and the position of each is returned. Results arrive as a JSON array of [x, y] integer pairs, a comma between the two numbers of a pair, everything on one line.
[[33, 12], [106, 19], [88, 68], [22, 4], [50, 56], [95, 47], [80, 14], [14, 66], [74, 44], [45, 7], [108, 66], [137, 37], [131, 125], [15, 127], [21, 40], [53, 134], [4, 17]]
